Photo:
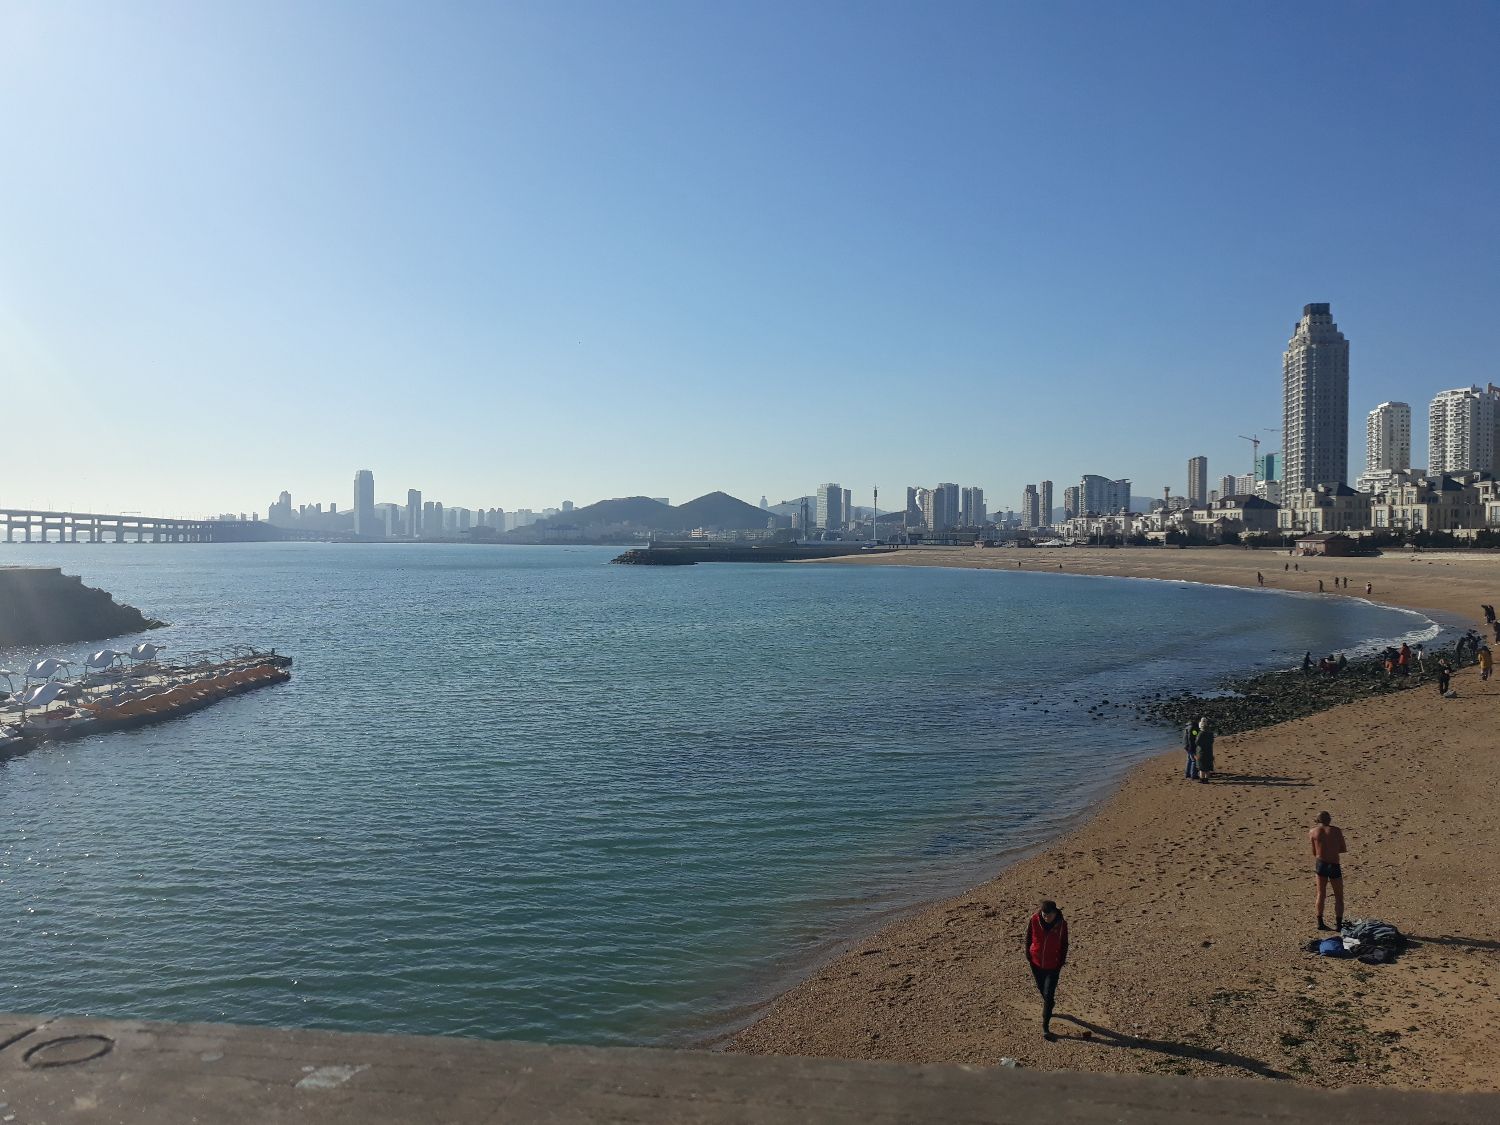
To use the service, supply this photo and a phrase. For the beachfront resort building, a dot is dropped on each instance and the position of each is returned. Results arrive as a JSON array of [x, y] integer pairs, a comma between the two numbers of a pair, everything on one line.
[[1197, 489], [1417, 501], [1315, 404], [1463, 430], [1327, 507]]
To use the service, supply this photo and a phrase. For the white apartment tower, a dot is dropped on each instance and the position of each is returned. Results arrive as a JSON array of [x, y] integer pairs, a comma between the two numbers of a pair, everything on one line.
[[1315, 402], [1197, 489], [1388, 438], [1462, 430], [1030, 507]]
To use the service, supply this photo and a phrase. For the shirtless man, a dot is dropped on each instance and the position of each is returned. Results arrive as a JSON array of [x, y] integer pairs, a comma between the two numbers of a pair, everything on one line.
[[1327, 845]]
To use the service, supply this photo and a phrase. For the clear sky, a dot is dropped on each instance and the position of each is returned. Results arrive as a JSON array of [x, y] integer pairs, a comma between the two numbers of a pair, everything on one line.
[[512, 254]]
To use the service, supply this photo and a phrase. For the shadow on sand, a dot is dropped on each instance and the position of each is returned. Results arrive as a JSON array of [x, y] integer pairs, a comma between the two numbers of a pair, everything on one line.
[[1457, 942], [1107, 1037], [1259, 779]]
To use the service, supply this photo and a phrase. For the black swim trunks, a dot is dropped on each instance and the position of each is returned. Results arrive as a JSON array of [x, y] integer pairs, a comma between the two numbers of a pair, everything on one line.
[[1329, 870]]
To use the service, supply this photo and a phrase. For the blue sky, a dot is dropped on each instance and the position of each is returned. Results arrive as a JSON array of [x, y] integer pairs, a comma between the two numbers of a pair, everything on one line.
[[515, 254]]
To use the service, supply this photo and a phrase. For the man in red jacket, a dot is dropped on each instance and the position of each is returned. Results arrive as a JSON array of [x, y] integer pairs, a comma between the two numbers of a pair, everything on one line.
[[1047, 953]]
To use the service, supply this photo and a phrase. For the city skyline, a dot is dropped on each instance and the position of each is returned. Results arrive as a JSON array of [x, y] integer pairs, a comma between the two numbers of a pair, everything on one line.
[[519, 273]]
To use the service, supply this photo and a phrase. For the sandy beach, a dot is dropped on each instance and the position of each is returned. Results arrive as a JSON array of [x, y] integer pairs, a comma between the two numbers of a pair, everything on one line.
[[1190, 905]]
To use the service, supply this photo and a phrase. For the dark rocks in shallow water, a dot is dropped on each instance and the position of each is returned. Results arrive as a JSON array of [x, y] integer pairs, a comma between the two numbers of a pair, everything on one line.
[[1277, 697]]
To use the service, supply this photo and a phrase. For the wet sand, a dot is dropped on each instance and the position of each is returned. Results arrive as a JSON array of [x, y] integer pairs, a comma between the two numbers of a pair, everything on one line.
[[1190, 905]]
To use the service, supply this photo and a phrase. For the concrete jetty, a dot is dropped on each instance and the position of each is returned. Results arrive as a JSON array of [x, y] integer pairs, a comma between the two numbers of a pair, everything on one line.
[[126, 1072]]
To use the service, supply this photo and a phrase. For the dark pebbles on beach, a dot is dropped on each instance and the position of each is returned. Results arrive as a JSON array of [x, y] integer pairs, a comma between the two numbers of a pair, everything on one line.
[[1275, 697]]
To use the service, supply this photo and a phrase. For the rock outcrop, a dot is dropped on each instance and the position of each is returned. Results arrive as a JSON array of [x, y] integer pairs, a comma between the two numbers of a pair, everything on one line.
[[42, 606]]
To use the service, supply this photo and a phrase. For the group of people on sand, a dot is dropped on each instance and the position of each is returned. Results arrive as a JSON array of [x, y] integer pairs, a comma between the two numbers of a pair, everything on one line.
[[1046, 939]]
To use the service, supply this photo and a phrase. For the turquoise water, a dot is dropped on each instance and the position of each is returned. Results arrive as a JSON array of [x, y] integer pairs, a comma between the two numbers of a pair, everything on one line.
[[516, 792]]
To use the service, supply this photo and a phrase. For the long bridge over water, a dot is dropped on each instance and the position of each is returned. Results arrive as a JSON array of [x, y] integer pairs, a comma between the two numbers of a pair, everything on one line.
[[96, 527]]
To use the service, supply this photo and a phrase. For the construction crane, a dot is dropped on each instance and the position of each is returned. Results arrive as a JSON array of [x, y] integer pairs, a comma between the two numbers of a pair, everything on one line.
[[1255, 445]]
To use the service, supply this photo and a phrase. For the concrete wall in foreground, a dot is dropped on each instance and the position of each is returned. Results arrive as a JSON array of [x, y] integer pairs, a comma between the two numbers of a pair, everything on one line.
[[82, 1070]]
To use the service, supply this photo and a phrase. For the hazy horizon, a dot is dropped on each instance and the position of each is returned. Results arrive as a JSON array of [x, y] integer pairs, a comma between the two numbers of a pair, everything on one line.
[[512, 256]]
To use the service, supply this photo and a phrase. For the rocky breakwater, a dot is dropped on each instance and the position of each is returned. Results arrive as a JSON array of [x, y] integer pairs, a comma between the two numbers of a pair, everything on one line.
[[1276, 697], [42, 606]]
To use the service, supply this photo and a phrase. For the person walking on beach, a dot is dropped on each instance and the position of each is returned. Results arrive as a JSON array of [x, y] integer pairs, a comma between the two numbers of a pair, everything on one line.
[[1320, 586], [1286, 566], [1260, 578], [1485, 661], [1327, 846], [1445, 670], [1420, 651], [1205, 754], [1369, 589], [1403, 660], [1047, 952], [1190, 745], [1307, 662]]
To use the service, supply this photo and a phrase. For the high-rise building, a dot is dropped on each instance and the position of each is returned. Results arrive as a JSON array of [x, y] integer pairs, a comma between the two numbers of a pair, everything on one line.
[[413, 513], [1315, 402], [971, 511], [937, 516], [1044, 498], [1388, 437], [950, 502], [1197, 489], [1070, 502], [1462, 430], [1226, 486], [1268, 467], [913, 506], [830, 513], [1244, 485], [1031, 508], [1100, 496], [364, 503], [847, 509]]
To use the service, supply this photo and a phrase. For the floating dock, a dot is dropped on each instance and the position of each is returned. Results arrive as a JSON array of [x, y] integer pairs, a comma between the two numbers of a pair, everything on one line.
[[123, 697]]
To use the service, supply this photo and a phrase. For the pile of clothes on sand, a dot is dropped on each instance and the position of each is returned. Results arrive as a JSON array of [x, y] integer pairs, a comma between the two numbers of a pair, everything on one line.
[[1368, 940]]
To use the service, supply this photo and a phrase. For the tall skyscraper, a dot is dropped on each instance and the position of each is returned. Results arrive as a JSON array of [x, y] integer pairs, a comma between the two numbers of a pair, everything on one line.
[[413, 513], [1197, 489], [1044, 500], [1031, 507], [1268, 467], [936, 516], [846, 509], [950, 503], [830, 513], [1226, 486], [364, 503], [1315, 402], [1462, 429], [1070, 502]]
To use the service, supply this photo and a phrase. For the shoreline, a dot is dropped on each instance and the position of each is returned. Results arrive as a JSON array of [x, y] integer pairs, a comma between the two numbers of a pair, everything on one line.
[[1223, 898]]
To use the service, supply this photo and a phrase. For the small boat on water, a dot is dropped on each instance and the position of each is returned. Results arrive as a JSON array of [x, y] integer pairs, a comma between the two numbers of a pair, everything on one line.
[[111, 695]]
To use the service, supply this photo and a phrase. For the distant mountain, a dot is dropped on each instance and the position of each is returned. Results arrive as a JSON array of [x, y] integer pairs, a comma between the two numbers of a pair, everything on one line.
[[720, 510], [638, 510]]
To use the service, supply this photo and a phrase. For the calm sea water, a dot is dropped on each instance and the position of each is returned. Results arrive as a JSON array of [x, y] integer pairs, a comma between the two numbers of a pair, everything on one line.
[[516, 792]]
